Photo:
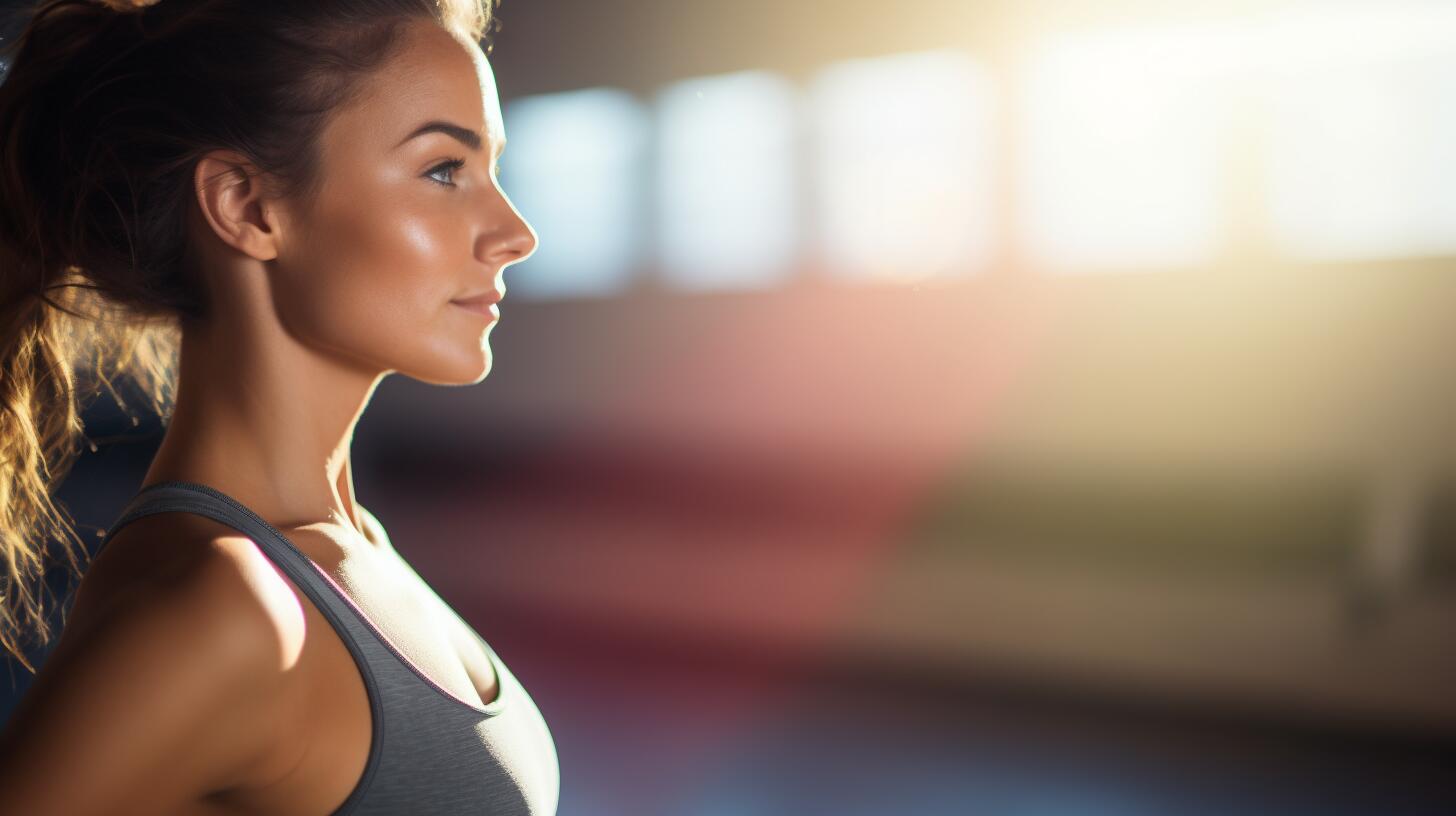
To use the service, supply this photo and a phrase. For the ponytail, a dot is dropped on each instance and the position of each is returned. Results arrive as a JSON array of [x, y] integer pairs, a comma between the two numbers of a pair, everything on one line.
[[105, 108]]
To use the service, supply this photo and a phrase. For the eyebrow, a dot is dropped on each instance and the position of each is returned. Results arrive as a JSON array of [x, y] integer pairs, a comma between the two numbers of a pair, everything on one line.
[[464, 135]]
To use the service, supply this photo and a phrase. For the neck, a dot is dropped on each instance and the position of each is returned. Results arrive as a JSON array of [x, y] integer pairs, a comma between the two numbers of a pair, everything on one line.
[[266, 420]]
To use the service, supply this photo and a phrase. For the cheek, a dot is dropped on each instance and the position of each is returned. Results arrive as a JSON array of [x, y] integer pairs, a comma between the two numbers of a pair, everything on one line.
[[374, 279]]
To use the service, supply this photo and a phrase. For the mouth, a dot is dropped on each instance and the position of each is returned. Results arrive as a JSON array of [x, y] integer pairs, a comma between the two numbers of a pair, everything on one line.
[[481, 304]]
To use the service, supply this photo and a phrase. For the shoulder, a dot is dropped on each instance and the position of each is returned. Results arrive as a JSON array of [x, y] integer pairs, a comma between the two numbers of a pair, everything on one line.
[[187, 580], [212, 571], [223, 605], [161, 691]]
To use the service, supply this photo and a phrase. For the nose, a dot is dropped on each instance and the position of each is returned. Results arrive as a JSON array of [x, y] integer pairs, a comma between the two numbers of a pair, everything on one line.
[[512, 241]]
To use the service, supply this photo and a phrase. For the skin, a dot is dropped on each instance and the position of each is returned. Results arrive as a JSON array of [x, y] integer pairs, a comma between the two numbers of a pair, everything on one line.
[[183, 624], [315, 304]]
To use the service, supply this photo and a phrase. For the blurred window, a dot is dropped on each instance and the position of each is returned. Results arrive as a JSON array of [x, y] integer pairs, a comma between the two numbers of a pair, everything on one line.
[[727, 206], [1121, 147], [901, 165], [575, 168], [1363, 131]]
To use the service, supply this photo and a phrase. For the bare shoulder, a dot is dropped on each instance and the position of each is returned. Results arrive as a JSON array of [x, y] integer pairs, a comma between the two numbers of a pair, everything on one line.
[[190, 559], [166, 685]]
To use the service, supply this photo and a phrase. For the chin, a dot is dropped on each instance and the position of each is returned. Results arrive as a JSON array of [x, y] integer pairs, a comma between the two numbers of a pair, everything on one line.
[[482, 372], [452, 372]]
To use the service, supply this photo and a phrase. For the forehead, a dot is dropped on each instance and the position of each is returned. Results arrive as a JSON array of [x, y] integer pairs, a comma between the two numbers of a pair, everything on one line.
[[432, 75]]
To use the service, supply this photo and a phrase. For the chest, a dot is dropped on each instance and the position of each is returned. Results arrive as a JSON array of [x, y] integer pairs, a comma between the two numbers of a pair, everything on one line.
[[330, 716], [408, 615]]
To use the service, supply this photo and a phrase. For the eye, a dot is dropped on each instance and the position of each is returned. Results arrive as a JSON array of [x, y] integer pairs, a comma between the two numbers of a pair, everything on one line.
[[450, 166]]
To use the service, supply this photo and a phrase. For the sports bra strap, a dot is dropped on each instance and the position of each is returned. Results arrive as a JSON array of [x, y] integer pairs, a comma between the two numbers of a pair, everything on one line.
[[203, 500]]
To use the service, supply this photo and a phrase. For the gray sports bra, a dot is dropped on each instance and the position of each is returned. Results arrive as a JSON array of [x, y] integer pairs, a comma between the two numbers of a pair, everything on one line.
[[431, 752]]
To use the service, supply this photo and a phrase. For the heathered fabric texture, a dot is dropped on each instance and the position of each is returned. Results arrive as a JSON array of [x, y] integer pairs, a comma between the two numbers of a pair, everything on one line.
[[432, 753]]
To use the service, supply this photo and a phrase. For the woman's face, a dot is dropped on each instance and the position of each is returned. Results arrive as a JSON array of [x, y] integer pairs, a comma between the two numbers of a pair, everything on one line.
[[406, 221]]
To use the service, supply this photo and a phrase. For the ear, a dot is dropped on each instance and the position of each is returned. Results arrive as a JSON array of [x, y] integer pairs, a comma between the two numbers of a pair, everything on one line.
[[232, 201]]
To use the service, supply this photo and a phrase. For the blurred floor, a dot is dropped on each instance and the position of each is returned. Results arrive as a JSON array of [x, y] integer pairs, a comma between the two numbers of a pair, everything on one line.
[[655, 726], [691, 715]]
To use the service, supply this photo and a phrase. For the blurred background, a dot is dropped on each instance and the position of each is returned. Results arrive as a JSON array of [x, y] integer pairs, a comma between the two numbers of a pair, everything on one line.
[[956, 408]]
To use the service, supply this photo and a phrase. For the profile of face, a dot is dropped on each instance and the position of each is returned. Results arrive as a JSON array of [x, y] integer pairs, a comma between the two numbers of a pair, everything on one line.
[[409, 218]]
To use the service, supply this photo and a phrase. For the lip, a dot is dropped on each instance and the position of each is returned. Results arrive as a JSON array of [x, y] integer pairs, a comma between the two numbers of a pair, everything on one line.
[[484, 304]]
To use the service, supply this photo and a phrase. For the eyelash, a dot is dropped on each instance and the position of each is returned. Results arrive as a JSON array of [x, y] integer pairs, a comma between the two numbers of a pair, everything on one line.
[[452, 165]]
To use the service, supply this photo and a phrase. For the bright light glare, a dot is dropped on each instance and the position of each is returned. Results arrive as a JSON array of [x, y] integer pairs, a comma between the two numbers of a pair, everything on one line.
[[902, 165], [1123, 130], [727, 206], [1363, 132], [575, 168]]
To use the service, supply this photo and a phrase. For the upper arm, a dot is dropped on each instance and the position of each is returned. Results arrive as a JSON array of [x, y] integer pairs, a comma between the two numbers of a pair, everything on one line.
[[167, 699]]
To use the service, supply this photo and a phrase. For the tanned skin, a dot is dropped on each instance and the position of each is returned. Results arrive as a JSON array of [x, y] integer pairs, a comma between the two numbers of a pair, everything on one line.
[[192, 676]]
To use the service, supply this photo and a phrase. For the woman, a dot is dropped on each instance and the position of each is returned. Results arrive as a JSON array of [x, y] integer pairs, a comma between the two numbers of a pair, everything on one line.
[[304, 196]]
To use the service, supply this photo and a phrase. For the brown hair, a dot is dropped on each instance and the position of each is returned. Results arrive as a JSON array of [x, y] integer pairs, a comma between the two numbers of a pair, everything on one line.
[[104, 111]]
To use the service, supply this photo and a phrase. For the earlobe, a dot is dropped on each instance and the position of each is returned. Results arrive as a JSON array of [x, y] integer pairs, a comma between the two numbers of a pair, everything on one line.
[[232, 202]]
